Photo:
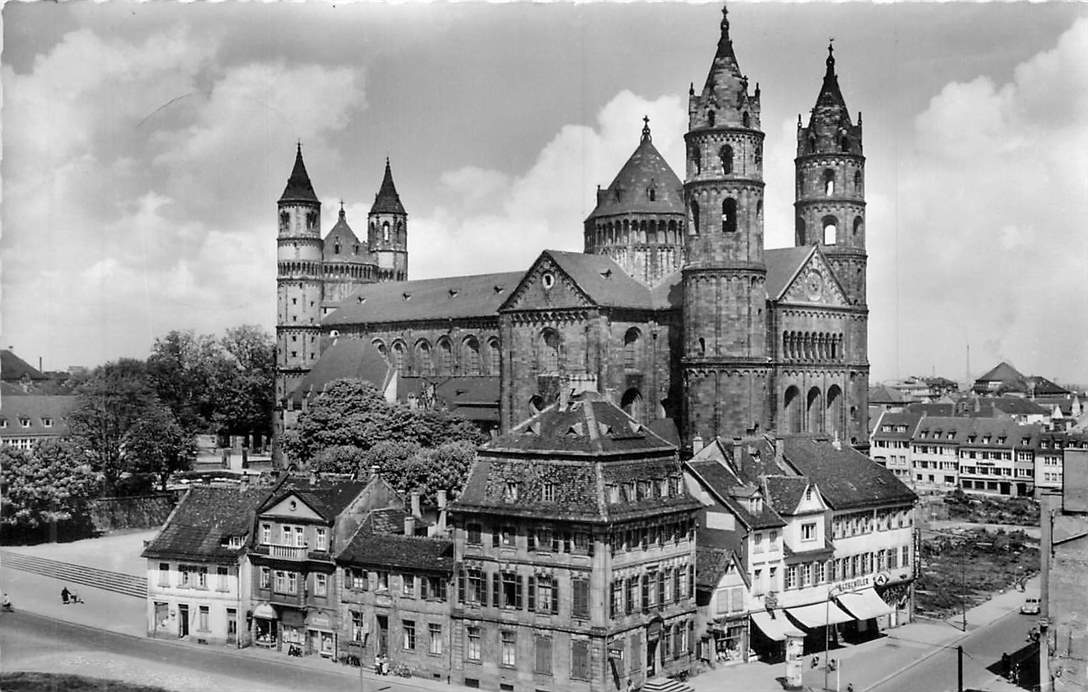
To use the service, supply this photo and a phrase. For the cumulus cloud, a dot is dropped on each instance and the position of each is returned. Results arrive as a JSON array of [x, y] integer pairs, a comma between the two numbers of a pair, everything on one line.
[[989, 209], [493, 221]]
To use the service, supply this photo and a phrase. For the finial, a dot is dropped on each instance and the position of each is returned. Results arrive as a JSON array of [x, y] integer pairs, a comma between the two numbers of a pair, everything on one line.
[[691, 89], [831, 55], [300, 147], [725, 20], [341, 209], [799, 126], [645, 128]]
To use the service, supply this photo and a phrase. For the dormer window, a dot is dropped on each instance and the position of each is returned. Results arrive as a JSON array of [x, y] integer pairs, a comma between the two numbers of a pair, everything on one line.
[[25, 422], [547, 492], [651, 192], [710, 118], [510, 493], [47, 422], [336, 248]]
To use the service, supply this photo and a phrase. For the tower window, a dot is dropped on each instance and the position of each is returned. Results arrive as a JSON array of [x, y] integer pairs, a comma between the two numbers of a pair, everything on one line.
[[694, 217], [857, 227], [697, 159], [336, 248], [857, 182], [652, 194], [385, 231], [744, 119], [729, 215], [800, 231], [726, 155], [758, 154], [550, 350], [829, 182], [702, 346], [844, 143], [830, 224], [710, 118], [812, 144], [759, 209]]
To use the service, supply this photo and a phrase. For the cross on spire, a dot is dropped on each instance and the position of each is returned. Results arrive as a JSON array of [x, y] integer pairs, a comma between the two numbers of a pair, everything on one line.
[[831, 54], [645, 128]]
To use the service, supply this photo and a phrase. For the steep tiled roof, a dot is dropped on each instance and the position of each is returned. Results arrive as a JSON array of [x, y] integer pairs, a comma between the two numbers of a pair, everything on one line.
[[931, 408], [896, 420], [387, 201], [203, 522], [1014, 405], [883, 394], [454, 297], [722, 482], [938, 427], [14, 368], [327, 497], [351, 250], [782, 265], [711, 565], [1041, 386], [846, 477], [603, 280], [35, 409], [345, 358], [396, 551], [1002, 372], [630, 190], [299, 188], [785, 492]]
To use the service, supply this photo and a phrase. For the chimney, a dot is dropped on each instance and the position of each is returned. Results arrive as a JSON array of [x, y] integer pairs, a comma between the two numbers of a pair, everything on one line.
[[779, 449], [441, 511], [313, 478], [415, 505], [564, 396], [696, 444], [738, 451], [409, 525], [374, 471]]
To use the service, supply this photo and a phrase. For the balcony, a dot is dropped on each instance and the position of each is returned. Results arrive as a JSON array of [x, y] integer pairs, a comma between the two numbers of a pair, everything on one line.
[[288, 552]]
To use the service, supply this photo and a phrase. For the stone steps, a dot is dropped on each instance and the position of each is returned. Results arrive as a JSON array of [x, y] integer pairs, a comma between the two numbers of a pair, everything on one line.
[[117, 582]]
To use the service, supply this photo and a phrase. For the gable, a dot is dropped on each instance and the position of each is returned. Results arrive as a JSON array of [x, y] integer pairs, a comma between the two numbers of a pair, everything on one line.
[[815, 283], [546, 286], [816, 504], [292, 507]]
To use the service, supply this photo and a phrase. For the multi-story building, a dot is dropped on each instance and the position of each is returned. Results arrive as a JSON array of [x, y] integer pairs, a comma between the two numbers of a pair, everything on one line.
[[28, 419], [890, 442], [395, 594], [198, 580], [934, 458], [997, 457], [299, 529], [574, 540], [1050, 458]]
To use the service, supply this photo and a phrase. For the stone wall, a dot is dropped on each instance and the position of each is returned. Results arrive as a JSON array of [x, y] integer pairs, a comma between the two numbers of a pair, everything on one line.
[[135, 512]]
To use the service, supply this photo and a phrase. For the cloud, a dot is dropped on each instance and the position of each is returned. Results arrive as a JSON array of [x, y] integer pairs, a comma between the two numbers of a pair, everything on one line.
[[491, 221], [989, 209]]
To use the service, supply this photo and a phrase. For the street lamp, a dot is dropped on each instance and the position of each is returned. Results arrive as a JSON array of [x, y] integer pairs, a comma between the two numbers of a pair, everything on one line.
[[827, 626]]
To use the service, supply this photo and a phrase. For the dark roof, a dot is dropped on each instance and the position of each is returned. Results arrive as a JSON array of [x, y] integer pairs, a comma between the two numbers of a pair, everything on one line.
[[397, 551], [830, 100], [299, 188], [1002, 372], [587, 427], [385, 520], [326, 497], [785, 492], [602, 280], [14, 368], [203, 521], [931, 408], [451, 297], [1041, 386], [1015, 405], [629, 192], [723, 483], [711, 565], [908, 418], [782, 265], [36, 408], [472, 397], [387, 201], [846, 478], [344, 358], [883, 394], [351, 250]]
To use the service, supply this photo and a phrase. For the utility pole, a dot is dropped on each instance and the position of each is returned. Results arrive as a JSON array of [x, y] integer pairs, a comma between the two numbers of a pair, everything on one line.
[[1046, 545], [959, 669]]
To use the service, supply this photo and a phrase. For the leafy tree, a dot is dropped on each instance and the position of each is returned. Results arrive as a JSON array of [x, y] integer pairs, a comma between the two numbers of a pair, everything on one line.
[[246, 381], [156, 443], [445, 467], [111, 401], [52, 483], [182, 369]]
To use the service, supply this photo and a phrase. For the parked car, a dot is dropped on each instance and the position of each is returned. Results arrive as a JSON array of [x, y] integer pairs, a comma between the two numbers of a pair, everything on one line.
[[1030, 606]]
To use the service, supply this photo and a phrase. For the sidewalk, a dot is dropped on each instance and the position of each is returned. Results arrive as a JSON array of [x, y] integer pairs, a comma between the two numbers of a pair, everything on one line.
[[902, 649]]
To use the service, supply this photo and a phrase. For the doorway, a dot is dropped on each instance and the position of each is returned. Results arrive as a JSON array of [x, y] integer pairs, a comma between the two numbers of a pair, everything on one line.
[[183, 621], [651, 657], [383, 635], [232, 625]]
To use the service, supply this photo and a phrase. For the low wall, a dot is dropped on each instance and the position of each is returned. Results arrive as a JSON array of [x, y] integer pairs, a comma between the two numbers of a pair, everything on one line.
[[135, 512]]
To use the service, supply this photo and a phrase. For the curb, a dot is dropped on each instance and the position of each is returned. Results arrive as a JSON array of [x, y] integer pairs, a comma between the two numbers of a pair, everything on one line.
[[342, 671], [936, 650]]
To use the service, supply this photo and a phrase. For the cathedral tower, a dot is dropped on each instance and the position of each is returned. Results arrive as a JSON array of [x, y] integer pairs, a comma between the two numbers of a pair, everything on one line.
[[298, 283], [388, 231], [830, 212], [725, 363]]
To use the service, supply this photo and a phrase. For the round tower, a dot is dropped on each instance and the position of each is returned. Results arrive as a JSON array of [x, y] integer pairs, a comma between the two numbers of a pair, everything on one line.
[[726, 365], [639, 220], [298, 280], [387, 233], [830, 182]]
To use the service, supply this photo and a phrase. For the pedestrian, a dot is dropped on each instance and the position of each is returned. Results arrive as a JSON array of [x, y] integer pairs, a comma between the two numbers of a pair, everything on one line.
[[630, 685], [64, 595], [7, 602]]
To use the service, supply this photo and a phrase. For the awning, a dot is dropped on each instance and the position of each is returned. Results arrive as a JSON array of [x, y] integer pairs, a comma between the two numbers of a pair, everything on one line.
[[775, 625], [819, 614], [265, 612], [864, 604]]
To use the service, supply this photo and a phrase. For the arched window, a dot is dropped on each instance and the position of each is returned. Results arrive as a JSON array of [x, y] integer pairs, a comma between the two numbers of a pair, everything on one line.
[[399, 353], [630, 347], [833, 424], [493, 356], [549, 344], [631, 403], [472, 356], [799, 231], [857, 227], [651, 193], [844, 143], [424, 362], [744, 119], [758, 153], [710, 118], [726, 155], [812, 144], [697, 159], [791, 409], [385, 231], [831, 227], [829, 182], [336, 248], [702, 346], [672, 232], [759, 209], [857, 182], [694, 217], [381, 347], [285, 220], [729, 215], [815, 410], [445, 357]]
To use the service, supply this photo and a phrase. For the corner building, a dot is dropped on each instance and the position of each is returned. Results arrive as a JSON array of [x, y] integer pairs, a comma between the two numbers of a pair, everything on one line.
[[675, 311]]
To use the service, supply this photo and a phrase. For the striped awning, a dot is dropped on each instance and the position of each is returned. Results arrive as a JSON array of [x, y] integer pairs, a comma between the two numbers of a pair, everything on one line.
[[775, 625], [819, 614], [864, 604], [265, 612]]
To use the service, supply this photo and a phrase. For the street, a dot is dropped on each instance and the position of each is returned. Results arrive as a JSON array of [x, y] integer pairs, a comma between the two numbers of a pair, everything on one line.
[[31, 642]]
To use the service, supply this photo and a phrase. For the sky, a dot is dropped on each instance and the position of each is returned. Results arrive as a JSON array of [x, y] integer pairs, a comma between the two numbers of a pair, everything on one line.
[[145, 146]]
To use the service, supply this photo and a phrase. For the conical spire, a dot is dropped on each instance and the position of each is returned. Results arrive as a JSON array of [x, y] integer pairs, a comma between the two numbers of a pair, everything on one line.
[[830, 96], [725, 60], [387, 201], [299, 188]]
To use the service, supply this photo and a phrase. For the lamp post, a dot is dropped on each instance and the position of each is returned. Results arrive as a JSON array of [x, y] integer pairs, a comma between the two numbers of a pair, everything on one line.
[[827, 627]]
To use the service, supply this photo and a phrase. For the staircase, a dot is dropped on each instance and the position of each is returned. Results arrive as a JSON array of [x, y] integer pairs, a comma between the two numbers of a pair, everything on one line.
[[117, 582], [665, 685]]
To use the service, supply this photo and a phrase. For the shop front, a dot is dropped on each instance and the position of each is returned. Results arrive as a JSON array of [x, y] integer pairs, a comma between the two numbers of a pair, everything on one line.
[[320, 634], [728, 640], [768, 636], [292, 628], [869, 612], [265, 626]]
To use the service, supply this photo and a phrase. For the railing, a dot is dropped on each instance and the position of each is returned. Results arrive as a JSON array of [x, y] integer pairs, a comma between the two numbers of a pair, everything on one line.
[[288, 552]]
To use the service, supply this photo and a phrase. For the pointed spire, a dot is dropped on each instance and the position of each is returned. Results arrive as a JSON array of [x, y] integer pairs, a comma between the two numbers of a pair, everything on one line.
[[646, 129], [299, 188], [387, 201], [341, 210], [830, 97]]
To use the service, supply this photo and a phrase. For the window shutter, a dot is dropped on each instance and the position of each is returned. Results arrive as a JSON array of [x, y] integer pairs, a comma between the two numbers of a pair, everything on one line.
[[677, 578], [518, 592], [494, 536], [496, 587], [461, 587], [555, 542], [555, 595], [691, 578], [645, 590], [532, 593]]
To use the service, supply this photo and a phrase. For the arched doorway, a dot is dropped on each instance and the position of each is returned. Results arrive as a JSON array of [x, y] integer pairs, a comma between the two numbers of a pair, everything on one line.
[[833, 420], [791, 410], [815, 410]]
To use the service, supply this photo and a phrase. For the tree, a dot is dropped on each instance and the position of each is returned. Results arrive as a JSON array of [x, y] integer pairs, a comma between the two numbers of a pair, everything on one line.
[[182, 369], [52, 483], [445, 467], [245, 388], [157, 444], [111, 401]]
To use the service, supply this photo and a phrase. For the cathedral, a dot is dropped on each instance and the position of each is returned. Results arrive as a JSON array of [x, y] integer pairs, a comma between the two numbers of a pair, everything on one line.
[[675, 310]]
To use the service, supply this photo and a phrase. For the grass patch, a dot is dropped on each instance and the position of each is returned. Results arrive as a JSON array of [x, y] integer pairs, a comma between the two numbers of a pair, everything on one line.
[[43, 682]]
